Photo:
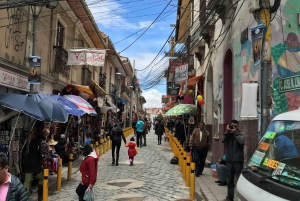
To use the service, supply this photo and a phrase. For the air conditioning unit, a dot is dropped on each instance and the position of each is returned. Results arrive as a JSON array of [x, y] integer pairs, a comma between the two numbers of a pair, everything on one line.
[[253, 5]]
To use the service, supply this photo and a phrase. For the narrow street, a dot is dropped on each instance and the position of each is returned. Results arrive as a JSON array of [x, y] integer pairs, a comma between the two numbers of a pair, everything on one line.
[[151, 178]]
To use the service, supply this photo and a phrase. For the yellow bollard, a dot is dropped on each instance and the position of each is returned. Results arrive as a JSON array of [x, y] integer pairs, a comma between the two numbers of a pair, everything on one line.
[[108, 143], [96, 147], [45, 185], [192, 182], [104, 146], [70, 167], [59, 172], [92, 145], [187, 171], [182, 161], [184, 165], [101, 147], [179, 159]]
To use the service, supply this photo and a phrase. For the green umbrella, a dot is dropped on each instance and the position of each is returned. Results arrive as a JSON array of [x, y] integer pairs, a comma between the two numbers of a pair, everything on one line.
[[181, 109]]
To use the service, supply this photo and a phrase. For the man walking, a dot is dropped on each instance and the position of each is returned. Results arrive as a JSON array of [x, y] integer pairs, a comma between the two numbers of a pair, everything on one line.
[[139, 132], [199, 146], [11, 187], [145, 132], [234, 155]]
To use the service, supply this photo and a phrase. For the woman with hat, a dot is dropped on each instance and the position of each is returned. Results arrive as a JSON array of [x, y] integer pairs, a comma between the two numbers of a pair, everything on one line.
[[53, 165]]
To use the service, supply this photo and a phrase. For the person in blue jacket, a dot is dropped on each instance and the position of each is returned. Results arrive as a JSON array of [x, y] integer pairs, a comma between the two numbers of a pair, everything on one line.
[[284, 147], [139, 132]]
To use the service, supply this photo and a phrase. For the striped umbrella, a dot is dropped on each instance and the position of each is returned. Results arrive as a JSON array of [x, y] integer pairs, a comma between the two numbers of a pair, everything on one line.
[[81, 103]]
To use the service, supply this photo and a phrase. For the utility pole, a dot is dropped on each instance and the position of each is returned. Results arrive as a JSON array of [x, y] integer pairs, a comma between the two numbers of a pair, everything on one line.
[[266, 68], [131, 93], [35, 17]]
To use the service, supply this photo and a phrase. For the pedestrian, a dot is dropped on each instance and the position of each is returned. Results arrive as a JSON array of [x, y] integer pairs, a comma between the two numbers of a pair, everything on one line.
[[133, 126], [199, 144], [234, 142], [221, 172], [159, 131], [180, 132], [145, 131], [88, 139], [37, 158], [60, 149], [11, 188], [139, 132], [132, 150], [88, 169], [116, 136]]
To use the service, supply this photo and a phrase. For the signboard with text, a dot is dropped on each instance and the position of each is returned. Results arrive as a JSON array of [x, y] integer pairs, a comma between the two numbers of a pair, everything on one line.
[[34, 76], [181, 73], [172, 88], [92, 57], [289, 83], [173, 63]]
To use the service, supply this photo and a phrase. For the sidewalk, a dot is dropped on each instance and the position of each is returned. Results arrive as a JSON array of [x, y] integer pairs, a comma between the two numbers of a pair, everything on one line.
[[52, 179]]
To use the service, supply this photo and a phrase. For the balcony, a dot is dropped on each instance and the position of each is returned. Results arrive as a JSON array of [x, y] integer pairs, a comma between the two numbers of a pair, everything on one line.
[[61, 60], [126, 90], [102, 80]]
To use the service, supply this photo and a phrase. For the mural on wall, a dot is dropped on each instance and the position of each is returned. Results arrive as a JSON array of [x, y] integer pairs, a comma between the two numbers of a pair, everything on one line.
[[286, 57]]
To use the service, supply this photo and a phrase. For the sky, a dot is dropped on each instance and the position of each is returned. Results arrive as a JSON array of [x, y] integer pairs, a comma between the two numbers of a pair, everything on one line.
[[120, 19]]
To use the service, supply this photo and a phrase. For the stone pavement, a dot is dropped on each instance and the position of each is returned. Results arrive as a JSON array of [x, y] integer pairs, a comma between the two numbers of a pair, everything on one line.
[[207, 189], [151, 178]]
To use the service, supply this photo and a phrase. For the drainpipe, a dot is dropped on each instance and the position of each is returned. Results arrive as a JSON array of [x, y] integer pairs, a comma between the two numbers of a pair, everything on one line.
[[50, 62], [27, 29]]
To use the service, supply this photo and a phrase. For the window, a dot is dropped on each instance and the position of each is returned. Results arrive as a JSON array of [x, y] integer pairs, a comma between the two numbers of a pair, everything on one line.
[[60, 34]]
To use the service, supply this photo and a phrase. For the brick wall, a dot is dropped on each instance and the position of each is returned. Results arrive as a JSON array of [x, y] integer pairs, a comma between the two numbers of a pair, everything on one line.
[[249, 128]]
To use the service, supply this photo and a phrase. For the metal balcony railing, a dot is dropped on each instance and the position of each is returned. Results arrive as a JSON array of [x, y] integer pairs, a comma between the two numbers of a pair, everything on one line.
[[102, 80], [61, 60]]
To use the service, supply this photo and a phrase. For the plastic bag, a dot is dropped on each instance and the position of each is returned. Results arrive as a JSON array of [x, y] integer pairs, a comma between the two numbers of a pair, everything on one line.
[[89, 195]]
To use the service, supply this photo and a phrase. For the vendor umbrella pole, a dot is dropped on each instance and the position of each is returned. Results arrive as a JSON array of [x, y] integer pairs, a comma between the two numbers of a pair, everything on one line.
[[12, 134], [66, 133]]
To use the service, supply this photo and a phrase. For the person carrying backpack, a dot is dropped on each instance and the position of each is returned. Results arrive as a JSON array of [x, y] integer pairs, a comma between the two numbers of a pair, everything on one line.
[[139, 132]]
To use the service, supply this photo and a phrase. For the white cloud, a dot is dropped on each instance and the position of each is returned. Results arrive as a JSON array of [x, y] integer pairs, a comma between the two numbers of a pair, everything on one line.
[[109, 14], [153, 98]]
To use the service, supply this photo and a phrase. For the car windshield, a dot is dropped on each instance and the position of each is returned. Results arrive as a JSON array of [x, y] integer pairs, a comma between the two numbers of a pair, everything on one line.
[[277, 155]]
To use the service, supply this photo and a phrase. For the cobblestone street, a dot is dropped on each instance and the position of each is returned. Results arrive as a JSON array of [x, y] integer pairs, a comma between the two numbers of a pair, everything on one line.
[[151, 178]]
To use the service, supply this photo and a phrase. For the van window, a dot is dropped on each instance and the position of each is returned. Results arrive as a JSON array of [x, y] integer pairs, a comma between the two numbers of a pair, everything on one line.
[[277, 155]]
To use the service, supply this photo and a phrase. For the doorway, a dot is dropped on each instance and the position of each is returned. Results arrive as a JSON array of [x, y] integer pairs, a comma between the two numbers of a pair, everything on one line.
[[228, 87]]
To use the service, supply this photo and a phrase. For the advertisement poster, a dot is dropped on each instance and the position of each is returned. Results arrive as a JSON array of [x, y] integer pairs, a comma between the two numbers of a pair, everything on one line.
[[257, 34], [173, 63], [92, 57], [181, 73], [34, 76], [172, 88]]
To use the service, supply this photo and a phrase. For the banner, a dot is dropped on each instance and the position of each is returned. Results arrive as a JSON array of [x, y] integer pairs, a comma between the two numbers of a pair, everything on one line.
[[92, 57], [172, 88], [181, 73], [249, 100], [34, 76], [173, 63], [257, 34]]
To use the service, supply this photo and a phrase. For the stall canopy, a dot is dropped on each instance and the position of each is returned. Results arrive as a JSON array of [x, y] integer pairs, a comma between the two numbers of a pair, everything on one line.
[[190, 84], [81, 103], [84, 89]]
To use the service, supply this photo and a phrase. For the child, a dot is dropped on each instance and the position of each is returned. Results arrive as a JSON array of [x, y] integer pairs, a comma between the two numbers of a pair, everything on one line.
[[132, 150]]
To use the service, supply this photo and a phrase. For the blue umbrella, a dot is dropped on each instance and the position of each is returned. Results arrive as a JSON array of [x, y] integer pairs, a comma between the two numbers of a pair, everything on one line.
[[70, 107], [53, 110], [38, 97], [22, 103]]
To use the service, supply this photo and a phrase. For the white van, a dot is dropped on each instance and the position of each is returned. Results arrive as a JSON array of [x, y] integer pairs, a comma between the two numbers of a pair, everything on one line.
[[273, 172]]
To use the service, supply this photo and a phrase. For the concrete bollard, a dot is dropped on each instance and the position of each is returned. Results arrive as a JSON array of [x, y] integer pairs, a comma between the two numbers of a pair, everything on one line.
[[70, 164], [45, 185], [184, 164], [192, 182], [108, 143], [59, 172], [182, 161], [187, 171]]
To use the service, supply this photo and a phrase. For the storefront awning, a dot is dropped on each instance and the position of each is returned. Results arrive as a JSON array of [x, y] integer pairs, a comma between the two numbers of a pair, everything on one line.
[[98, 87], [194, 80], [85, 89]]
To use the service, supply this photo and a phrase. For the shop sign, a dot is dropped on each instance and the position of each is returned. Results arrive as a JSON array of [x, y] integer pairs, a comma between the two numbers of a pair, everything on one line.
[[92, 57], [257, 34], [289, 83], [13, 80], [181, 73], [100, 102], [173, 63], [34, 76], [172, 88]]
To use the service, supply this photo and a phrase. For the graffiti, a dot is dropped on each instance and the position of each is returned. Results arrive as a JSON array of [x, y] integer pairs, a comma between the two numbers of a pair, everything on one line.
[[13, 36]]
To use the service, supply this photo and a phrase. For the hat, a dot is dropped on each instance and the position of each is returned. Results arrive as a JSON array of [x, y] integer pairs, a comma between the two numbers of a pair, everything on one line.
[[52, 142], [62, 136]]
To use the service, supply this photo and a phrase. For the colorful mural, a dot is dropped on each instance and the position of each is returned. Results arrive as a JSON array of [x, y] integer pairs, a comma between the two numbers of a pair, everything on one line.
[[286, 57]]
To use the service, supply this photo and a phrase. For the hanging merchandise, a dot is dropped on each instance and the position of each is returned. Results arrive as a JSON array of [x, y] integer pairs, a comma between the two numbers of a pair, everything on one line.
[[199, 97], [201, 102], [191, 120]]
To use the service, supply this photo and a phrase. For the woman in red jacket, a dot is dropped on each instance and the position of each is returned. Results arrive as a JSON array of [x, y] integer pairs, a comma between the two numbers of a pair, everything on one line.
[[88, 169]]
